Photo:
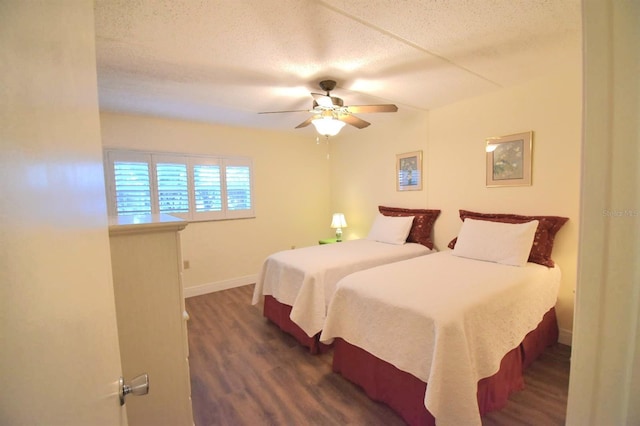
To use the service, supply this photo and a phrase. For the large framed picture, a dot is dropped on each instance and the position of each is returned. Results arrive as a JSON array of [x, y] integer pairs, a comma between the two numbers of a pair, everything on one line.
[[409, 171], [509, 160]]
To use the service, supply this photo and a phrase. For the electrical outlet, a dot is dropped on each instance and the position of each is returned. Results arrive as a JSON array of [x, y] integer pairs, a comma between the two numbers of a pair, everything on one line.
[[186, 264]]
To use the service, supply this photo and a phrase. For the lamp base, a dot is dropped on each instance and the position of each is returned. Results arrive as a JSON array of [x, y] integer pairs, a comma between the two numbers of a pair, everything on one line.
[[338, 235]]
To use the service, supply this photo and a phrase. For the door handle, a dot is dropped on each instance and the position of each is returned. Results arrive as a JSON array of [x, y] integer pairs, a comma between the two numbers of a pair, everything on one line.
[[138, 386]]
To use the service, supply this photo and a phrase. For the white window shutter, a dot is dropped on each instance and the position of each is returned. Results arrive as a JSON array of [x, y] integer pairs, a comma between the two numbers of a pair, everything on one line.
[[132, 187], [193, 187], [238, 188], [207, 187], [173, 188]]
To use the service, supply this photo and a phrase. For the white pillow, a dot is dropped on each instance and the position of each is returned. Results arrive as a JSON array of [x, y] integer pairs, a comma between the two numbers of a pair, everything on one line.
[[507, 243], [390, 229]]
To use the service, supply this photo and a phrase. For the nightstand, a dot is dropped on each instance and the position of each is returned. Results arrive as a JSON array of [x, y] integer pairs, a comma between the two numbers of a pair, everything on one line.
[[328, 241]]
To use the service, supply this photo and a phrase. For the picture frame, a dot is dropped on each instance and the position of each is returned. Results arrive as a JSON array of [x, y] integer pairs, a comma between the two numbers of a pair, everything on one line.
[[409, 171], [508, 160]]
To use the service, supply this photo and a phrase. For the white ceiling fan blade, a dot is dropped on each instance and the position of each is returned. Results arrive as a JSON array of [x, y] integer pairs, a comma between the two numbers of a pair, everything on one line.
[[323, 100]]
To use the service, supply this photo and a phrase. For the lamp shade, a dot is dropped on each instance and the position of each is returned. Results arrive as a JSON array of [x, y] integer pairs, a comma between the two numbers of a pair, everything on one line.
[[338, 221], [328, 126]]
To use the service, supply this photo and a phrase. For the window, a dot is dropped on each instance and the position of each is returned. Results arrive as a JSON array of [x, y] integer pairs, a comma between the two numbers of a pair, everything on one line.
[[208, 187], [173, 187], [192, 187], [238, 178]]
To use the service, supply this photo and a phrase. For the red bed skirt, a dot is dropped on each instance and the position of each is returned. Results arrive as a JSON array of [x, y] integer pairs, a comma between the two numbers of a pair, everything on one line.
[[278, 313], [404, 393]]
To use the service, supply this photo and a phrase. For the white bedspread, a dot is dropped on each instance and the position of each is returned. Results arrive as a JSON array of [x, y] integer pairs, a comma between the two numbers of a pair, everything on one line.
[[444, 319], [305, 278]]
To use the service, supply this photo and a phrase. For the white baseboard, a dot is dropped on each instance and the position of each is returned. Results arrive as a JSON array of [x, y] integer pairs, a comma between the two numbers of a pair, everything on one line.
[[218, 286], [565, 336]]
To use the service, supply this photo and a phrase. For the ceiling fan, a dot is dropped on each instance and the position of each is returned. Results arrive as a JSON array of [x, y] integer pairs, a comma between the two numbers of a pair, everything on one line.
[[330, 114]]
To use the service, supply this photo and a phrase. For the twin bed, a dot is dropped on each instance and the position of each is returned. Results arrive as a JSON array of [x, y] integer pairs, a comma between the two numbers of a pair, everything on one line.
[[297, 285], [447, 336]]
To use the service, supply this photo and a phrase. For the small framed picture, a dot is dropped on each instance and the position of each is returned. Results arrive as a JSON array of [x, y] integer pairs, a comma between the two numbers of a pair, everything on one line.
[[409, 171], [509, 160]]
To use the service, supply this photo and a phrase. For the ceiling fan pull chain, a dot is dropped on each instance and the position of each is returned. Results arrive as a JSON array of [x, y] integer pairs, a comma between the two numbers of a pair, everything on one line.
[[327, 141]]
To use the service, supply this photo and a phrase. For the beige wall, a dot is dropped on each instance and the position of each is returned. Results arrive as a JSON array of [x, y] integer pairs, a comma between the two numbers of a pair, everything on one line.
[[452, 140], [297, 189], [291, 194], [363, 167], [551, 108]]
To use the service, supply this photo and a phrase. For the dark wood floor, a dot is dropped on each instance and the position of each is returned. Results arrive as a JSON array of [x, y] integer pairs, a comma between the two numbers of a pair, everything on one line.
[[245, 371]]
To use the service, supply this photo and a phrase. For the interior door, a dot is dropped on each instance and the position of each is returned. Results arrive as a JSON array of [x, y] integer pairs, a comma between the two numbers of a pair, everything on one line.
[[59, 353]]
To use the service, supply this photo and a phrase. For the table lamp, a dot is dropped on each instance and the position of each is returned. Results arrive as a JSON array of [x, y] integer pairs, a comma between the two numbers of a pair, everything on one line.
[[338, 222]]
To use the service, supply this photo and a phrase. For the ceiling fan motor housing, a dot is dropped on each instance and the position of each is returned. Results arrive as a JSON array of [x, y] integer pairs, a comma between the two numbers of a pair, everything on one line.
[[327, 85]]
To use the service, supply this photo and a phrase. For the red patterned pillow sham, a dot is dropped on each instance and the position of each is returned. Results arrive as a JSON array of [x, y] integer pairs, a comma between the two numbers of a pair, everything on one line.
[[542, 246], [422, 223]]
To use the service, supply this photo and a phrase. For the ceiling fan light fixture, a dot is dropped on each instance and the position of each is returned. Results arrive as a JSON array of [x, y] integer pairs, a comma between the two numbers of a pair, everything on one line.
[[330, 114], [328, 126]]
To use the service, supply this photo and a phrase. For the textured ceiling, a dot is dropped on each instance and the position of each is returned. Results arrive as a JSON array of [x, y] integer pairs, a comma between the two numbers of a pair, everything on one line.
[[223, 61]]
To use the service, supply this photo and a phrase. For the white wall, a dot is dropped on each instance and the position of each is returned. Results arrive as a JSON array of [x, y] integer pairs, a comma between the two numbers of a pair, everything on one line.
[[452, 139], [291, 189]]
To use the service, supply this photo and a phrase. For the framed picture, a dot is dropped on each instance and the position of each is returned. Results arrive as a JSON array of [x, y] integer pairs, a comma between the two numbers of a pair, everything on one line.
[[509, 160], [409, 171]]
